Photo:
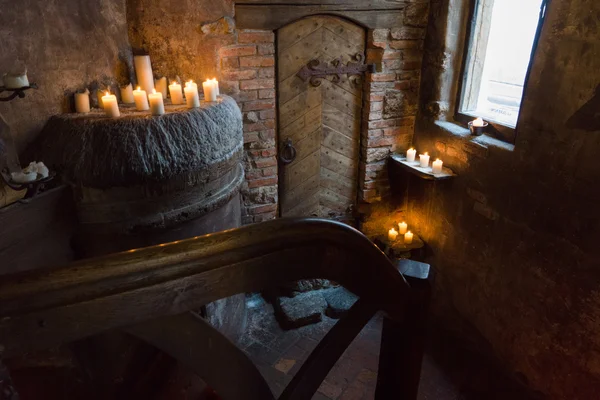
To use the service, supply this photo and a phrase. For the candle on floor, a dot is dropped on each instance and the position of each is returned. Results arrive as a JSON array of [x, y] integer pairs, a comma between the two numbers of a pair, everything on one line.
[[176, 93], [191, 95], [408, 237], [157, 107], [143, 71], [82, 102], [402, 228], [392, 234], [111, 107], [127, 94], [424, 160], [411, 154], [436, 166], [141, 100], [161, 86], [210, 90]]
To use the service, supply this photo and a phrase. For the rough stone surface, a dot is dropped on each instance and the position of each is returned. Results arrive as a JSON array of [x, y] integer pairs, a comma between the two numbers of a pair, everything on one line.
[[339, 301], [303, 309], [514, 238]]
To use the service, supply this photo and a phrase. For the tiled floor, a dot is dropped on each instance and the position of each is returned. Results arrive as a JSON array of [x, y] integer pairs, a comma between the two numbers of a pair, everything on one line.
[[449, 371]]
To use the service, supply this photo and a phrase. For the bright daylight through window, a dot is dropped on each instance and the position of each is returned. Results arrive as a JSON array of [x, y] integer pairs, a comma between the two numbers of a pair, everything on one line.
[[502, 38]]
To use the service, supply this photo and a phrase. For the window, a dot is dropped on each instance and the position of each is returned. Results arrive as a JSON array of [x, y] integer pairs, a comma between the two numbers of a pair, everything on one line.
[[502, 38]]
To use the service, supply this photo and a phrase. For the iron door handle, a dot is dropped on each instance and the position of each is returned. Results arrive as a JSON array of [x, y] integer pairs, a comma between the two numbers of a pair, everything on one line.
[[288, 152]]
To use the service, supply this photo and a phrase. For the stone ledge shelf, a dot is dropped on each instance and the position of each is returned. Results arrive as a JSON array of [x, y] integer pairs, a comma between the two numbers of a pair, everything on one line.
[[423, 173]]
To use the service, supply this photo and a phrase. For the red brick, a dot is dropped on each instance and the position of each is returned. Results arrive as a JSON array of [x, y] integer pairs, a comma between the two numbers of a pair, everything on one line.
[[405, 33], [267, 114], [259, 105], [227, 86], [261, 209], [250, 137], [373, 133], [256, 37], [266, 49], [254, 127], [387, 55], [254, 174], [246, 50], [398, 130], [375, 115], [391, 122], [267, 134], [257, 84], [402, 85], [266, 94], [376, 96], [266, 72], [265, 217], [257, 61], [239, 75], [381, 142], [271, 171], [246, 95], [228, 63], [405, 44], [269, 123], [254, 183], [389, 77], [375, 105], [265, 162]]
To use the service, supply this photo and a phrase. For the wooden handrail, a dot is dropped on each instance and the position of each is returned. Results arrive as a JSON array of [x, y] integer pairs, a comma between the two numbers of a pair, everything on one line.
[[47, 308]]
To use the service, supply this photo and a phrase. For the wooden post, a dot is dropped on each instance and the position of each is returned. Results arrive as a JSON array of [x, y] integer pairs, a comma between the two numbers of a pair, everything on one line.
[[403, 342]]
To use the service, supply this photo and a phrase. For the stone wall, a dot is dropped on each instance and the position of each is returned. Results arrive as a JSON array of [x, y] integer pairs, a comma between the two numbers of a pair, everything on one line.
[[513, 238]]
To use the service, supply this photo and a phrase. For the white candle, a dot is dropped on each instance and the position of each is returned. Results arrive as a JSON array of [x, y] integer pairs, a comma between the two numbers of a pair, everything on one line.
[[216, 84], [210, 90], [191, 95], [411, 154], [176, 93], [402, 228], [141, 100], [143, 71], [392, 234], [111, 107], [15, 80], [408, 237], [436, 166], [127, 94], [82, 102], [161, 86], [157, 107], [478, 122], [424, 160]]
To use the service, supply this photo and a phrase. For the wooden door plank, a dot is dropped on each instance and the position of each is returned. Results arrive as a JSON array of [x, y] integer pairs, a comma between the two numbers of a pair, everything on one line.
[[340, 143], [347, 4], [338, 163], [295, 57], [308, 145], [299, 106], [341, 100], [335, 201], [291, 34], [302, 126], [338, 183], [292, 197], [296, 173], [308, 207], [340, 122], [349, 31]]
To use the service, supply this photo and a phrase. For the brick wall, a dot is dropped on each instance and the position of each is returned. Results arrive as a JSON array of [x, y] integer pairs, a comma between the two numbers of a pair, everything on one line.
[[248, 75], [390, 105]]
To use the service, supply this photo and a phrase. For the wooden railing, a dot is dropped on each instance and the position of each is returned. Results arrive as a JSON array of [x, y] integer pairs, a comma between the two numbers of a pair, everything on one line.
[[150, 292]]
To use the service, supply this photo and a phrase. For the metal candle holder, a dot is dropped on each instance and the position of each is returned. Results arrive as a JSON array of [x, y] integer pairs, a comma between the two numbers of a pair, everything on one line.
[[477, 130]]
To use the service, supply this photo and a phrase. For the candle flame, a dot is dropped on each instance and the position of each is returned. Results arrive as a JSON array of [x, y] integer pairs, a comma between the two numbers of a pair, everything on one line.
[[411, 149], [153, 91], [426, 154], [139, 89], [106, 93], [478, 122], [392, 230], [409, 232], [437, 159]]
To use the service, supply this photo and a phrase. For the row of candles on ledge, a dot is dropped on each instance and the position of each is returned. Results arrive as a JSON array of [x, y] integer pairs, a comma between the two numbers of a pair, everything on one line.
[[150, 94], [402, 230], [436, 166]]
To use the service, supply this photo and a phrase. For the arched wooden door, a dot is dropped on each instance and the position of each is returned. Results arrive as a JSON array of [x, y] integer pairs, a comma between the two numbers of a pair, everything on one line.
[[322, 122]]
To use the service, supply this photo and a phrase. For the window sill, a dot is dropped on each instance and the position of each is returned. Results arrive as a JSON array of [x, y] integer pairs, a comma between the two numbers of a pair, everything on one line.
[[485, 141]]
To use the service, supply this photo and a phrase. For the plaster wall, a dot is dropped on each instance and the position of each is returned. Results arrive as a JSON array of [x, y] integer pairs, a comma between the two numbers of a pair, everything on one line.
[[514, 239]]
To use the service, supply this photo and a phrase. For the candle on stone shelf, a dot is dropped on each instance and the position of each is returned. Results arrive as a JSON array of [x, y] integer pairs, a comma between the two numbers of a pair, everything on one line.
[[157, 107], [216, 84], [161, 86], [127, 94], [478, 122], [140, 98], [210, 90], [176, 93], [111, 107], [424, 160], [402, 228], [191, 95], [436, 166], [82, 102], [411, 154], [143, 71], [408, 237], [392, 234]]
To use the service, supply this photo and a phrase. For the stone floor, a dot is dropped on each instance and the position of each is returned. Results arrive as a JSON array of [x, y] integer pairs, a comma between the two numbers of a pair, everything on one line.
[[449, 371]]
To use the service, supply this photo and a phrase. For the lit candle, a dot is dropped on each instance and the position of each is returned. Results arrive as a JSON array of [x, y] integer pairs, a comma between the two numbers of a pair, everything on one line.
[[392, 234], [478, 122], [127, 94], [140, 98], [191, 95], [408, 237], [411, 154], [111, 107], [176, 93], [424, 160], [82, 102], [436, 166], [210, 90], [143, 71], [161, 86], [402, 228], [216, 83], [157, 107]]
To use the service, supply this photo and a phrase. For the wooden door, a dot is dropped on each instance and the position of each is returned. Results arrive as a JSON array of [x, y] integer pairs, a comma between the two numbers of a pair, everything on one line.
[[323, 123]]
